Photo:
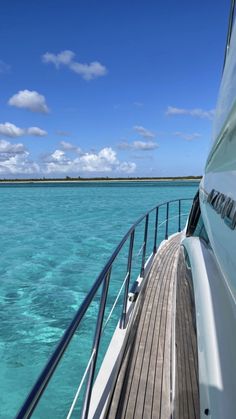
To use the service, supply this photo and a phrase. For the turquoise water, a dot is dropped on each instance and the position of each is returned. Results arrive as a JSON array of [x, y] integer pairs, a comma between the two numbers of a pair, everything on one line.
[[54, 241]]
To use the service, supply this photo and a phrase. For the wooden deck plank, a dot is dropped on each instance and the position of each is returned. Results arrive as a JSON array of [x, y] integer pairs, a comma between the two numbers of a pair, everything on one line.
[[147, 381], [124, 391], [143, 388], [139, 377], [187, 394], [147, 411], [158, 393], [166, 373]]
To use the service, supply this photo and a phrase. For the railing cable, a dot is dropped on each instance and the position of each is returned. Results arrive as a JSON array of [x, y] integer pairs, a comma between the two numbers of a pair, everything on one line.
[[80, 386], [114, 304]]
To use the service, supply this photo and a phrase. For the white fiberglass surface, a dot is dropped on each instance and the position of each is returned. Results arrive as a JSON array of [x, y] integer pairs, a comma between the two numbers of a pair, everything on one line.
[[227, 92]]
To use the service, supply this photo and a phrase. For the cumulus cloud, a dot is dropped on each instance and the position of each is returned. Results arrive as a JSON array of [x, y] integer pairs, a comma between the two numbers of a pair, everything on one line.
[[91, 162], [67, 58], [8, 148], [103, 161], [197, 112], [30, 100], [4, 67], [14, 159], [187, 137], [145, 133], [36, 131], [10, 130], [58, 156]]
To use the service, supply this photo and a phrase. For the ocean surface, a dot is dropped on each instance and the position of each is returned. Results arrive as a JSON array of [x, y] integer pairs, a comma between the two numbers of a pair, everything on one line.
[[54, 241]]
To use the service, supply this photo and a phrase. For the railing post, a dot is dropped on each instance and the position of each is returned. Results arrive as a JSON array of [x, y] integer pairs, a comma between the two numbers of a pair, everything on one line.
[[155, 234], [128, 274], [144, 245], [96, 345], [167, 220], [179, 215]]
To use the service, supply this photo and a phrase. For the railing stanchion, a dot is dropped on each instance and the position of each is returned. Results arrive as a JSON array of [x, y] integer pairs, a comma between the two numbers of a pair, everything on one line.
[[155, 233], [128, 275], [179, 216], [96, 345], [144, 245], [167, 220]]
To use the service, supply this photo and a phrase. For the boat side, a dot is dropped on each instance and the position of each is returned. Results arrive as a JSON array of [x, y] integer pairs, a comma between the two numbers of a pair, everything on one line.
[[210, 252]]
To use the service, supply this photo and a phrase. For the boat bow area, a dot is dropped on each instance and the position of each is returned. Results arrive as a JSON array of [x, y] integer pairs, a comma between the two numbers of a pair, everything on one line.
[[158, 377]]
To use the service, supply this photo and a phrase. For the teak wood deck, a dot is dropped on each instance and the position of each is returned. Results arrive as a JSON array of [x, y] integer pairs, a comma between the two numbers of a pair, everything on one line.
[[145, 384]]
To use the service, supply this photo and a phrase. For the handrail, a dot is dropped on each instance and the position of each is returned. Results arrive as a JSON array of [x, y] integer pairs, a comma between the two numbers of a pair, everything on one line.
[[103, 278]]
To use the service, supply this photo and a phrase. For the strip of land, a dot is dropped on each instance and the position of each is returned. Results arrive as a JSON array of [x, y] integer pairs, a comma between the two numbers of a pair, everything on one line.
[[103, 179]]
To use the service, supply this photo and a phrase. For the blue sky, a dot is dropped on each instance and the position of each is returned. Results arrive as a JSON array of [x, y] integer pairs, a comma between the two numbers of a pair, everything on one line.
[[104, 88]]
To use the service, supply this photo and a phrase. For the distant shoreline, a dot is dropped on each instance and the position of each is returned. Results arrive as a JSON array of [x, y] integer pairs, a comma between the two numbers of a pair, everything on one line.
[[90, 180]]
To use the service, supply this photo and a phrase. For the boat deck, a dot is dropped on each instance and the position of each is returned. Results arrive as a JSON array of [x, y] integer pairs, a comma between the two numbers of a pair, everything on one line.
[[144, 388]]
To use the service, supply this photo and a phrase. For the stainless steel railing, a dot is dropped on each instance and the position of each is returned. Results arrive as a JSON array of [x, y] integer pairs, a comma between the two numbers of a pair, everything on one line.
[[104, 280]]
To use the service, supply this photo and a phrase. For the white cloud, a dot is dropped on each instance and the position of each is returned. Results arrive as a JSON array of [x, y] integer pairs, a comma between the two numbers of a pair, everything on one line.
[[8, 148], [144, 132], [63, 58], [101, 162], [138, 145], [36, 131], [89, 71], [187, 137], [10, 130], [197, 112], [66, 58], [4, 67], [145, 143], [18, 164], [142, 145], [59, 156], [30, 100], [65, 145], [14, 159], [127, 167]]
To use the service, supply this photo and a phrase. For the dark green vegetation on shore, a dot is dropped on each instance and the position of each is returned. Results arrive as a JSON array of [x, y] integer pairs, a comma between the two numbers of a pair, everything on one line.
[[102, 179]]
